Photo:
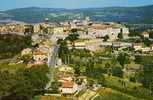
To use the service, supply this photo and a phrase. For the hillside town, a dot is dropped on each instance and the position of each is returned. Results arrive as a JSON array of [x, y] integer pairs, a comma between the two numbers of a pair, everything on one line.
[[85, 58]]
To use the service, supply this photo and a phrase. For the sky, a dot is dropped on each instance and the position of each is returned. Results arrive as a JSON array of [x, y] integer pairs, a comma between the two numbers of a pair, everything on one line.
[[70, 4]]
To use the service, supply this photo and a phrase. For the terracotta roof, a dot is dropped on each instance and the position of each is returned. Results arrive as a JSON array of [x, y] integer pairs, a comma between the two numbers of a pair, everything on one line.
[[145, 33], [103, 26], [137, 44], [37, 52], [68, 84]]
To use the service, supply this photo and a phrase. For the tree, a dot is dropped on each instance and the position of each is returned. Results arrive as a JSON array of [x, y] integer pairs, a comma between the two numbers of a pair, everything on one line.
[[117, 71], [63, 51], [108, 67], [123, 59], [29, 29], [37, 75], [147, 42], [55, 86], [41, 28], [14, 84], [134, 33], [13, 44], [45, 30], [74, 30], [120, 36], [148, 76], [26, 58], [77, 70], [23, 82], [151, 34], [106, 38], [72, 38], [59, 41]]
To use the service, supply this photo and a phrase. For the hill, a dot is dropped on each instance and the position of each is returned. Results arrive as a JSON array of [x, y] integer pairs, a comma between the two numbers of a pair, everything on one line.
[[12, 44], [143, 14]]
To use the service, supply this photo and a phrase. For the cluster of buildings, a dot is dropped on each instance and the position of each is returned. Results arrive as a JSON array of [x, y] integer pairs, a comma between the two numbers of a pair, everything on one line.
[[110, 29], [69, 85], [38, 55], [85, 28], [141, 47], [90, 37], [11, 27], [14, 27]]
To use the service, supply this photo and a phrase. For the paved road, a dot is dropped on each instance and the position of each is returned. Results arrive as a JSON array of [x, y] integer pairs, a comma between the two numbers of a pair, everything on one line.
[[52, 61], [53, 56]]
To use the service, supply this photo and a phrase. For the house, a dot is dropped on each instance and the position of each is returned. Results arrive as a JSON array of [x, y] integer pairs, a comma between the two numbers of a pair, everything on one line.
[[92, 47], [80, 45], [112, 30], [89, 44], [39, 56], [26, 51], [146, 49], [137, 46], [116, 44], [65, 69], [59, 30], [69, 87], [13, 27], [145, 34]]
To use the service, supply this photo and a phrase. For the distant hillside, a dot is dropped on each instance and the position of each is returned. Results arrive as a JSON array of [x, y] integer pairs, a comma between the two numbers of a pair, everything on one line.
[[142, 14]]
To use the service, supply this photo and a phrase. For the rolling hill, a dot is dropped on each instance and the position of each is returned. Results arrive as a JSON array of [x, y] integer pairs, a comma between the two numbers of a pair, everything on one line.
[[143, 14]]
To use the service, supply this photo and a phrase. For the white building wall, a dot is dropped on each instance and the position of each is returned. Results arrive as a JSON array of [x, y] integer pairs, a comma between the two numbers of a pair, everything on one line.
[[125, 30]]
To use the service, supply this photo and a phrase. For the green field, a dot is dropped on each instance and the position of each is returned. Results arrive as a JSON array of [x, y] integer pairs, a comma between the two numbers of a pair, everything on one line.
[[109, 94]]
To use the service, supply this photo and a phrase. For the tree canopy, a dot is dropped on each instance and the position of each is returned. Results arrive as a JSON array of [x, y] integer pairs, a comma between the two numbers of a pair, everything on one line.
[[23, 82]]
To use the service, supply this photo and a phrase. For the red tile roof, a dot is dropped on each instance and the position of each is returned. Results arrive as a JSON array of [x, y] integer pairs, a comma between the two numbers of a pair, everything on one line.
[[39, 53], [145, 33], [68, 84]]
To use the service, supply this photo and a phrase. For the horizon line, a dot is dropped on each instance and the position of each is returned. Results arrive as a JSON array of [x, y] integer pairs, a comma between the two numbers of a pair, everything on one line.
[[77, 8]]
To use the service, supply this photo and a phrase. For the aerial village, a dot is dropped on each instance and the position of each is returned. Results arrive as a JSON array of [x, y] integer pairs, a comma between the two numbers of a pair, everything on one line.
[[67, 48]]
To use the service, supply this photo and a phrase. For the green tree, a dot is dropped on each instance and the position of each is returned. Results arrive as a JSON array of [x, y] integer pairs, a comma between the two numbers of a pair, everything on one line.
[[117, 71], [23, 82], [151, 34], [13, 44], [106, 38], [148, 77], [120, 36], [63, 51], [74, 30], [108, 67], [134, 33], [37, 75], [72, 38], [147, 42], [55, 86], [45, 30], [123, 59], [26, 58], [12, 83]]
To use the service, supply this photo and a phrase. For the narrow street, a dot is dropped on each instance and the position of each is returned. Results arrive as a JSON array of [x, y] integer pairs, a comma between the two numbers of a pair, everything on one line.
[[52, 62]]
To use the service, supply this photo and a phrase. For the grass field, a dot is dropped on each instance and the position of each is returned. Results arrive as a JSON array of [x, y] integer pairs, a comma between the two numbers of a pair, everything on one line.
[[130, 88], [109, 94]]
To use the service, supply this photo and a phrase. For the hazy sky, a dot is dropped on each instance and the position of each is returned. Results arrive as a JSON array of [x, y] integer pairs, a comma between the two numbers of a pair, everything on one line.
[[10, 4]]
